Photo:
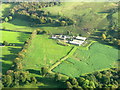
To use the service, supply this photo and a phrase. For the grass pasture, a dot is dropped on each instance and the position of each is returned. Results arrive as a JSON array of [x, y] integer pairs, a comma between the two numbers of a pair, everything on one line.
[[9, 52], [16, 24], [84, 14], [4, 9], [43, 52], [98, 57]]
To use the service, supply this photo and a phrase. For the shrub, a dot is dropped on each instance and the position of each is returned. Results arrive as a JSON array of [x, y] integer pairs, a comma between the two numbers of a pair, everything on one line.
[[6, 19], [44, 71], [69, 85], [17, 60], [10, 17], [63, 79], [19, 66], [41, 31], [24, 50], [103, 36], [7, 80], [56, 23], [33, 80], [57, 77], [74, 81], [5, 43], [20, 55], [63, 23]]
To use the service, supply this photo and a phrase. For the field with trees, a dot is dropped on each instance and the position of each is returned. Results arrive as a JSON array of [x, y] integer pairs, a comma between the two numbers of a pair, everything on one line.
[[15, 41], [31, 59]]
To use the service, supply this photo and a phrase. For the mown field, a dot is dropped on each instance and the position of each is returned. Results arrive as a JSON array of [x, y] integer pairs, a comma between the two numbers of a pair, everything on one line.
[[98, 57], [43, 52], [9, 52]]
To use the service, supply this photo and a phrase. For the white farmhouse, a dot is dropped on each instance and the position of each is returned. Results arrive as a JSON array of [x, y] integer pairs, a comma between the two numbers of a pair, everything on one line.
[[54, 37], [81, 38], [76, 42]]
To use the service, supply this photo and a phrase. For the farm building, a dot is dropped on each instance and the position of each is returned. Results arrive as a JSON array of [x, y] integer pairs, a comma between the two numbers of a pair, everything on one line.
[[76, 42], [81, 38], [54, 37]]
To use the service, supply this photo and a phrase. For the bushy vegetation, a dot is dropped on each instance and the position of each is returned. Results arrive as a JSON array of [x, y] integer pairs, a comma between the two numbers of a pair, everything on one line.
[[104, 79], [33, 12], [16, 76], [14, 40], [110, 35], [40, 53]]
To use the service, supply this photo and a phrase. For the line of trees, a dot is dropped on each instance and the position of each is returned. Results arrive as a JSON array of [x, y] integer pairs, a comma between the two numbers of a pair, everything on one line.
[[103, 79], [99, 79], [33, 12], [16, 76]]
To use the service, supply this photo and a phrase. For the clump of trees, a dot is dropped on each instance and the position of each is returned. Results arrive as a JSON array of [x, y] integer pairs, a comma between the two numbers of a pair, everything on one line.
[[100, 79], [39, 31], [63, 21], [5, 43], [16, 78], [7, 18]]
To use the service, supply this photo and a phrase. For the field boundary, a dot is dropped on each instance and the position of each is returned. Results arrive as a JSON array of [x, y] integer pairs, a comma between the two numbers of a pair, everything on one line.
[[88, 46], [64, 58]]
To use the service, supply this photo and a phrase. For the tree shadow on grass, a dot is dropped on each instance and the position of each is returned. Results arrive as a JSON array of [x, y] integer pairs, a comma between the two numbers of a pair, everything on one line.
[[20, 22], [97, 36], [14, 50], [34, 71], [5, 67], [16, 31], [104, 43], [12, 56], [1, 44], [16, 44], [23, 37], [50, 83], [103, 12], [9, 57], [8, 9]]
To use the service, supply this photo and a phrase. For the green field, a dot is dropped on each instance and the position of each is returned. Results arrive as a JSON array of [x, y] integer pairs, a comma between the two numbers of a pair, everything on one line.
[[84, 14], [5, 9], [98, 57], [16, 24], [9, 52], [43, 52], [46, 52]]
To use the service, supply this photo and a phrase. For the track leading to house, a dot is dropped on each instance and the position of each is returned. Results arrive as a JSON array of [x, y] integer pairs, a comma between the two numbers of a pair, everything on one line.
[[64, 58]]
